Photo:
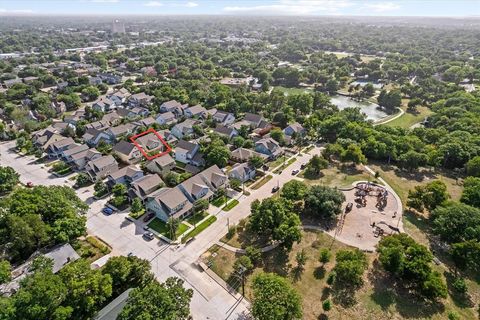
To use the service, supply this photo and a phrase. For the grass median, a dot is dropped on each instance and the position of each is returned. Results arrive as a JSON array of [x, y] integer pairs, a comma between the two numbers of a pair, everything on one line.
[[202, 226]]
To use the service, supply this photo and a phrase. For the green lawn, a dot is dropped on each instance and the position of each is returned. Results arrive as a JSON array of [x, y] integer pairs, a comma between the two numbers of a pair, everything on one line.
[[193, 220], [230, 205], [262, 182], [161, 227], [218, 202], [202, 226], [289, 91], [338, 177], [408, 119]]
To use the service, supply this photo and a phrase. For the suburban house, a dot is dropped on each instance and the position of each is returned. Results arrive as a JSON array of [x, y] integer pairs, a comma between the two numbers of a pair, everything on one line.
[[242, 172], [80, 159], [294, 129], [127, 152], [44, 138], [144, 186], [184, 128], [146, 122], [113, 118], [185, 151], [118, 132], [215, 177], [167, 203], [99, 168], [225, 131], [196, 112], [92, 137], [99, 125], [124, 176], [168, 137], [140, 100], [150, 143], [224, 118], [161, 165], [139, 112], [103, 104], [110, 78], [243, 154], [58, 107], [119, 97], [166, 118], [196, 188], [56, 148], [173, 106], [77, 148], [254, 121], [269, 147]]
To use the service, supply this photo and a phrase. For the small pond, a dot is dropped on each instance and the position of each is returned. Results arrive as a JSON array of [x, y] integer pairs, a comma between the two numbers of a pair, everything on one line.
[[369, 108]]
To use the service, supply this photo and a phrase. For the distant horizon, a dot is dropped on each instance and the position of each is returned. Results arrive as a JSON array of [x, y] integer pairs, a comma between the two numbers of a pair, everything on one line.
[[258, 8]]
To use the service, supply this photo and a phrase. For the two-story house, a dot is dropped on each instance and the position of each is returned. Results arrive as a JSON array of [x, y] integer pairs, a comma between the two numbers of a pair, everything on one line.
[[124, 176], [185, 151], [127, 152], [184, 128], [99, 168], [242, 172], [269, 147], [196, 112], [56, 148], [225, 118], [167, 203], [80, 159], [166, 118], [161, 165], [140, 100], [144, 186]]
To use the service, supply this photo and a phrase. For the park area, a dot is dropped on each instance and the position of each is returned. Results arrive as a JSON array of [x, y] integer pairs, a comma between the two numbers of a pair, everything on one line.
[[376, 299]]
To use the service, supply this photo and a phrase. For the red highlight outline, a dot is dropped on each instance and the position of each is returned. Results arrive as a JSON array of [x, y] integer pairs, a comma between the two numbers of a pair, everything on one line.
[[139, 147]]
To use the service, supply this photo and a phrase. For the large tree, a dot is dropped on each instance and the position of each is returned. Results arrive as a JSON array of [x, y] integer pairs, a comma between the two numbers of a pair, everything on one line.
[[275, 218], [169, 300], [8, 179], [87, 289], [350, 266], [324, 202], [294, 190], [127, 272], [410, 262], [41, 296], [471, 192], [274, 298], [427, 196]]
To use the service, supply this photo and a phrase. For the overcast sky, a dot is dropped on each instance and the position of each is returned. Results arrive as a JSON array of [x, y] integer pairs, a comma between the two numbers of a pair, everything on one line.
[[241, 7]]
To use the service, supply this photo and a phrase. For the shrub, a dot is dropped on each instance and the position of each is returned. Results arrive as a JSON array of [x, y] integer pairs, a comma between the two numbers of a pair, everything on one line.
[[331, 278], [459, 285], [231, 232], [325, 255], [243, 262], [327, 305], [254, 254]]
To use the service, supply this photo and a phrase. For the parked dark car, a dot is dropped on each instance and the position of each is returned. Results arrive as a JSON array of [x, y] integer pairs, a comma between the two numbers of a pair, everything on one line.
[[148, 216], [275, 189], [295, 172], [108, 211], [303, 166]]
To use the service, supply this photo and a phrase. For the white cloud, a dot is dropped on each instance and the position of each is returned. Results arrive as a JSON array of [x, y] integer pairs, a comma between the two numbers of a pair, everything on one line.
[[291, 7], [16, 11], [382, 6], [153, 4], [191, 4], [105, 1]]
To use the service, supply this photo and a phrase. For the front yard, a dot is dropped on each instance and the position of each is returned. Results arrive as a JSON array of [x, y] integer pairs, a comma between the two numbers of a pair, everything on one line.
[[161, 227], [202, 226], [91, 248]]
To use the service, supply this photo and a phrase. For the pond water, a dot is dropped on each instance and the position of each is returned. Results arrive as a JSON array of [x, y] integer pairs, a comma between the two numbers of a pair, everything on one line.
[[370, 109]]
